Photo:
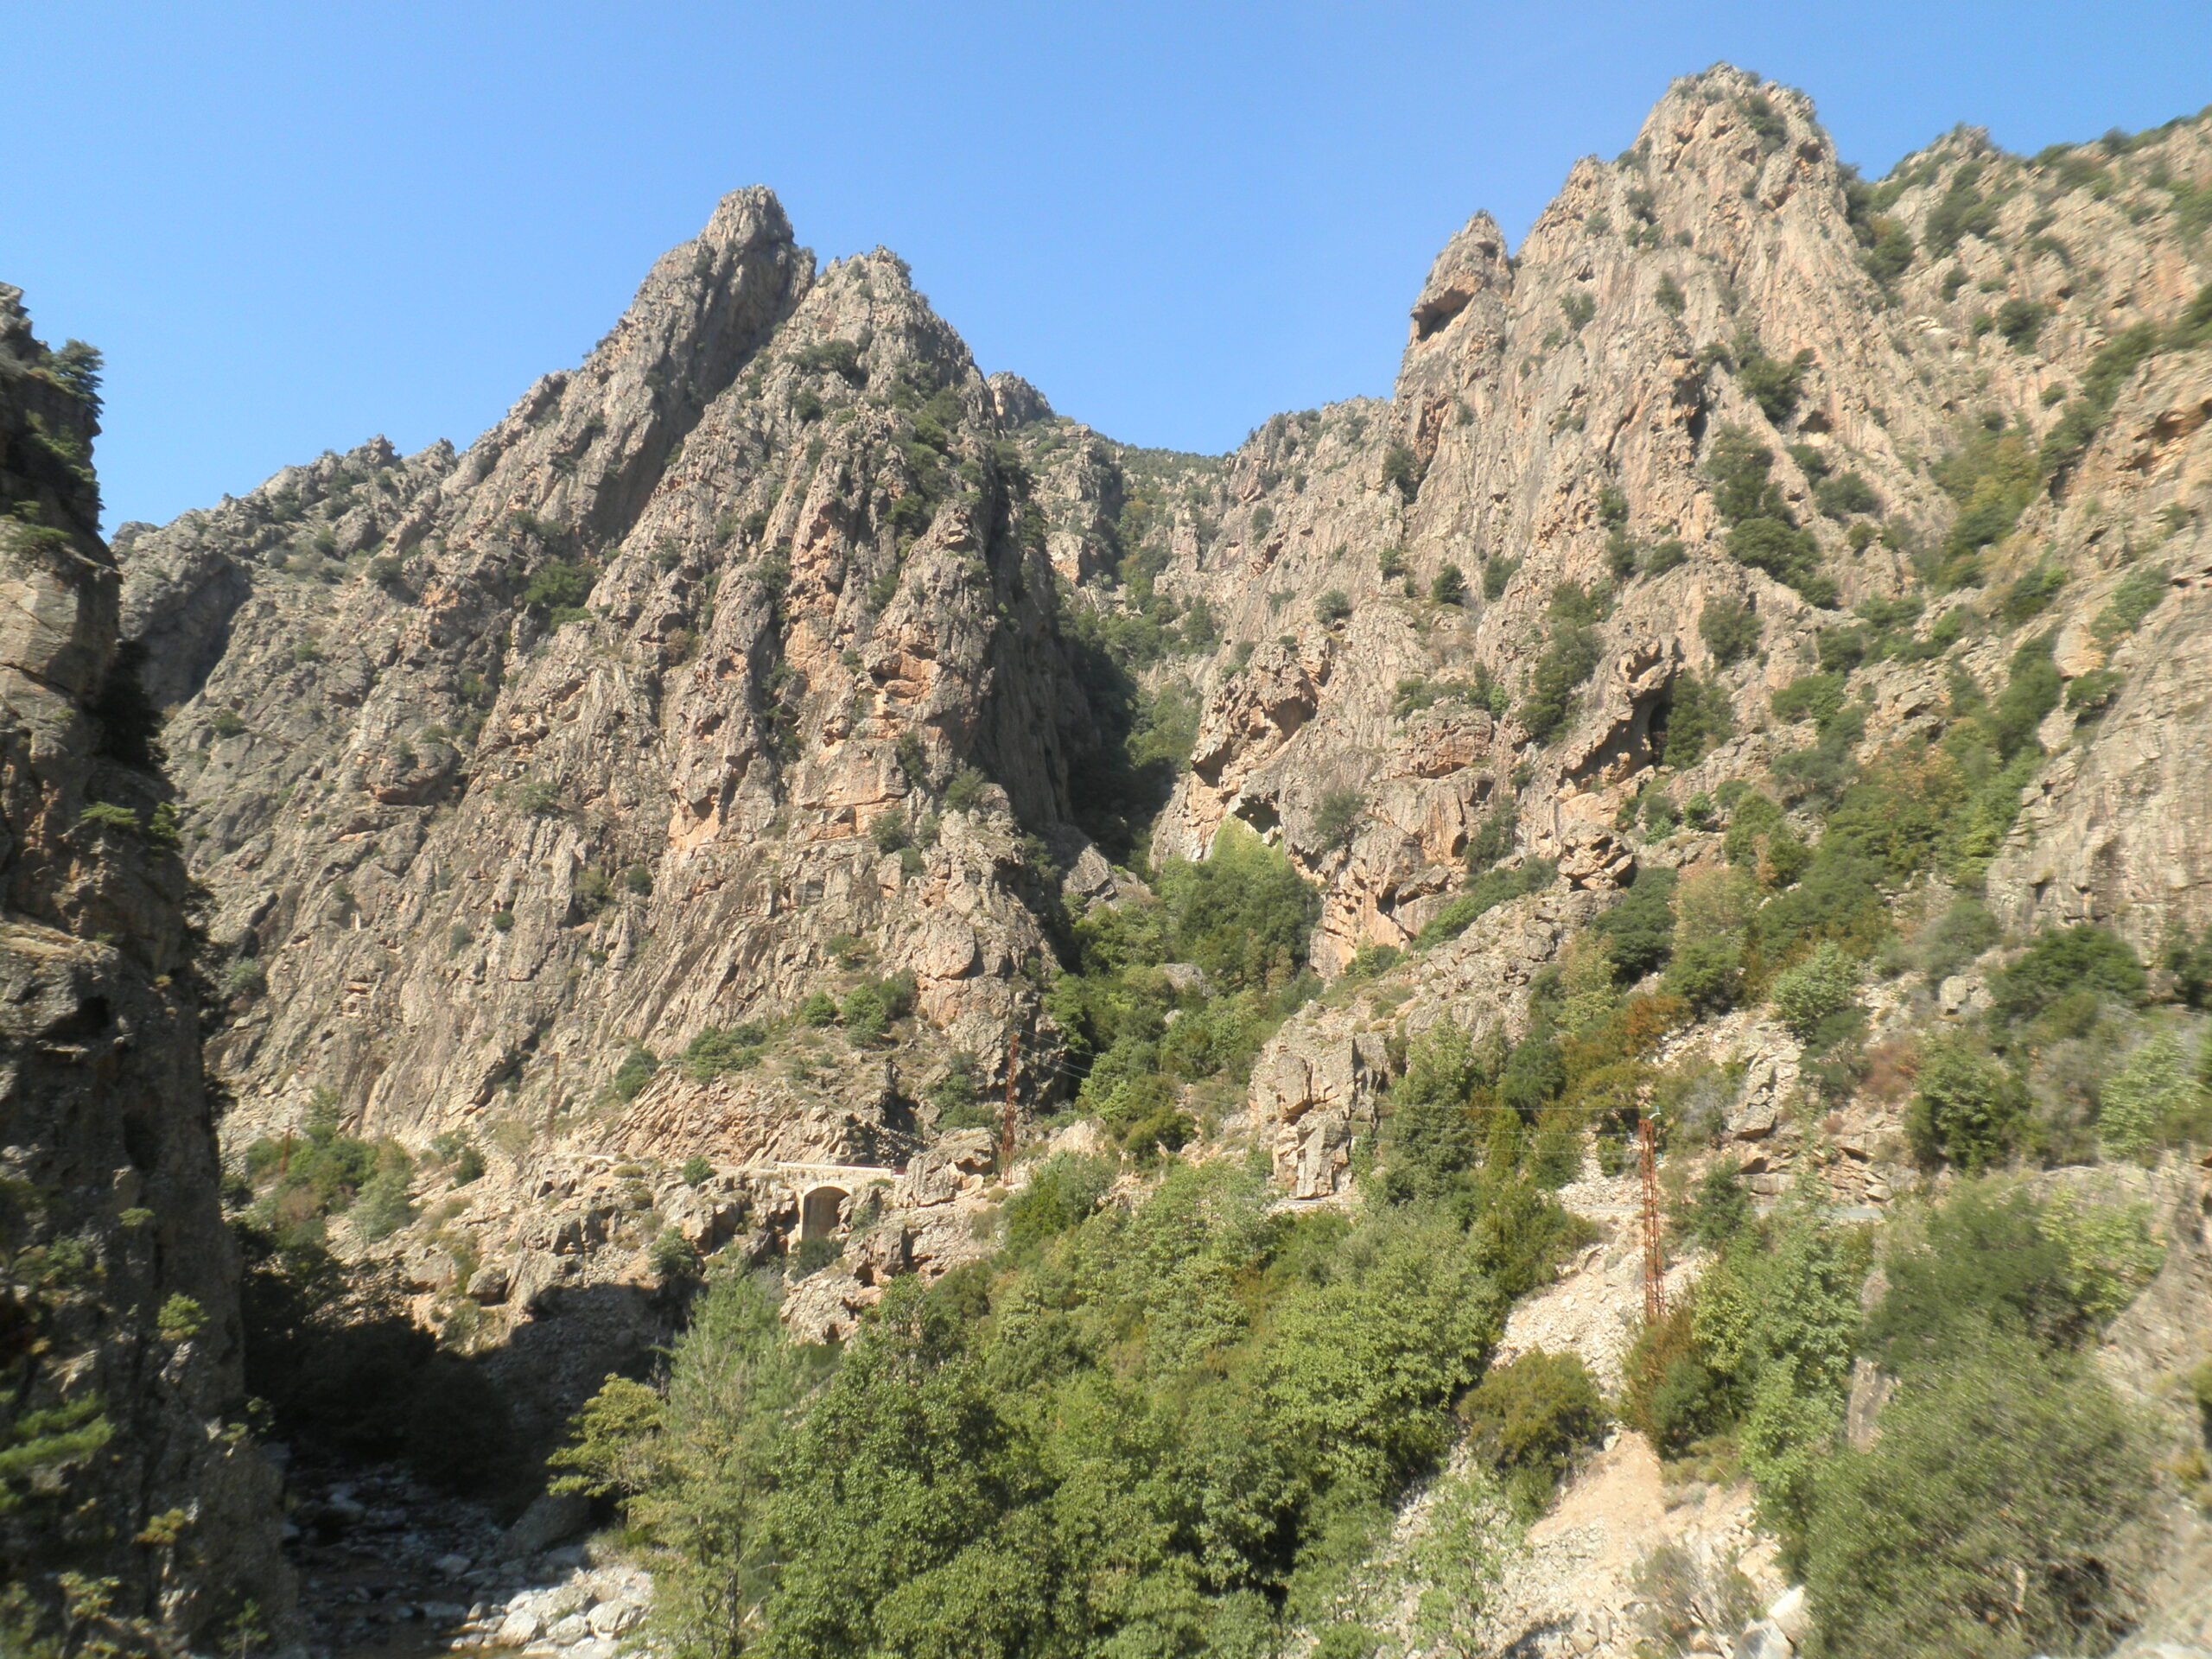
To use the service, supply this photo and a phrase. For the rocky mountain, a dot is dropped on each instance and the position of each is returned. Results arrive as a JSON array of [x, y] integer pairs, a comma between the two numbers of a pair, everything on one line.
[[124, 1452], [779, 779]]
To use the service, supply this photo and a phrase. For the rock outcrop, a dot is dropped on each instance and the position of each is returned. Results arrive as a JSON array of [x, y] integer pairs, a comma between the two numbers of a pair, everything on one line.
[[124, 1414]]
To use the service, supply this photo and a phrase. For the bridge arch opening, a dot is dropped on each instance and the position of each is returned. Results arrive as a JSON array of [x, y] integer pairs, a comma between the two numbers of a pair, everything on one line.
[[818, 1212]]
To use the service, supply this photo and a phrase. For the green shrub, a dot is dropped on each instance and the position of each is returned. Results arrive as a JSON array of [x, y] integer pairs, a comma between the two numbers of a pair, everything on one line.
[[1713, 911], [1961, 933], [1966, 1108], [1062, 1193], [813, 1255], [2137, 596], [2109, 371], [833, 356], [1337, 819], [1961, 211], [385, 1206], [1811, 994], [1845, 494], [1401, 470], [671, 1258], [865, 1015], [2019, 320], [2189, 959], [2151, 1101], [1569, 659], [557, 589], [1985, 1258], [965, 791], [1639, 928], [1730, 628], [1449, 586], [244, 980], [2067, 961], [2092, 693], [105, 815], [1483, 894], [698, 1170], [1773, 384], [1719, 1209], [181, 1319], [2031, 593], [1332, 607], [718, 1049], [2031, 691], [1411, 696], [1492, 840], [1671, 1394], [1244, 915], [1991, 1516], [1530, 1419], [1668, 295], [636, 1071], [1992, 478], [1700, 718], [1817, 698], [1431, 1135], [1762, 531]]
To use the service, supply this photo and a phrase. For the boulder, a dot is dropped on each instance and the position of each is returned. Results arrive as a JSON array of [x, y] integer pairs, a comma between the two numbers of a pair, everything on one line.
[[552, 1518]]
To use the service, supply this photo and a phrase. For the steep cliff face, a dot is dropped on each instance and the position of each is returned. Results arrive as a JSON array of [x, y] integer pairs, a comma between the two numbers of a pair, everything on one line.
[[125, 1453], [1553, 422], [719, 684], [1909, 361], [775, 656], [604, 741]]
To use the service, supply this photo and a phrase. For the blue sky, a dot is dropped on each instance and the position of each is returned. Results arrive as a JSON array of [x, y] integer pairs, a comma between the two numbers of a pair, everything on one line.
[[290, 227]]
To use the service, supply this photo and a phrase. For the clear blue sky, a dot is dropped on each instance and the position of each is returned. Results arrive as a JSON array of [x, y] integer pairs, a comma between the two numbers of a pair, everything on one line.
[[290, 227]]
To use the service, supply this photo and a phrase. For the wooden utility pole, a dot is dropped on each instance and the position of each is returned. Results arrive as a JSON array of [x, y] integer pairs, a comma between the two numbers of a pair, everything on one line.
[[1655, 1263], [1005, 1120]]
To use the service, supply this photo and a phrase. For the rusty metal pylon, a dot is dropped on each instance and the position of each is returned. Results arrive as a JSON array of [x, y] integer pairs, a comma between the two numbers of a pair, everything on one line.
[[1006, 1122], [1655, 1263]]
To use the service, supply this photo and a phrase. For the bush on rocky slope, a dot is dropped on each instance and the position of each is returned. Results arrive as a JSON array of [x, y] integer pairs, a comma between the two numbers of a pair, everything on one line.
[[2000, 1510], [1137, 1035], [1180, 1419]]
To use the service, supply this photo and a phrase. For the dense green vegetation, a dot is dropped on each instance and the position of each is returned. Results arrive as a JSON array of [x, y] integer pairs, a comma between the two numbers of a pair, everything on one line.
[[1995, 1513], [1170, 1425], [2002, 1454], [1136, 1035], [1570, 657], [303, 1181], [1763, 532]]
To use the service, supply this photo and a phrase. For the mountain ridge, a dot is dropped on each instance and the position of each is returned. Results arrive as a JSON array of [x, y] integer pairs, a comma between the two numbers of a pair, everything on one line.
[[1768, 613]]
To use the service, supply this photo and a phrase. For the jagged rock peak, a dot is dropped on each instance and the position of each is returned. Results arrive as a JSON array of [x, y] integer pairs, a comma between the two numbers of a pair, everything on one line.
[[703, 297], [1016, 403], [1474, 262]]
